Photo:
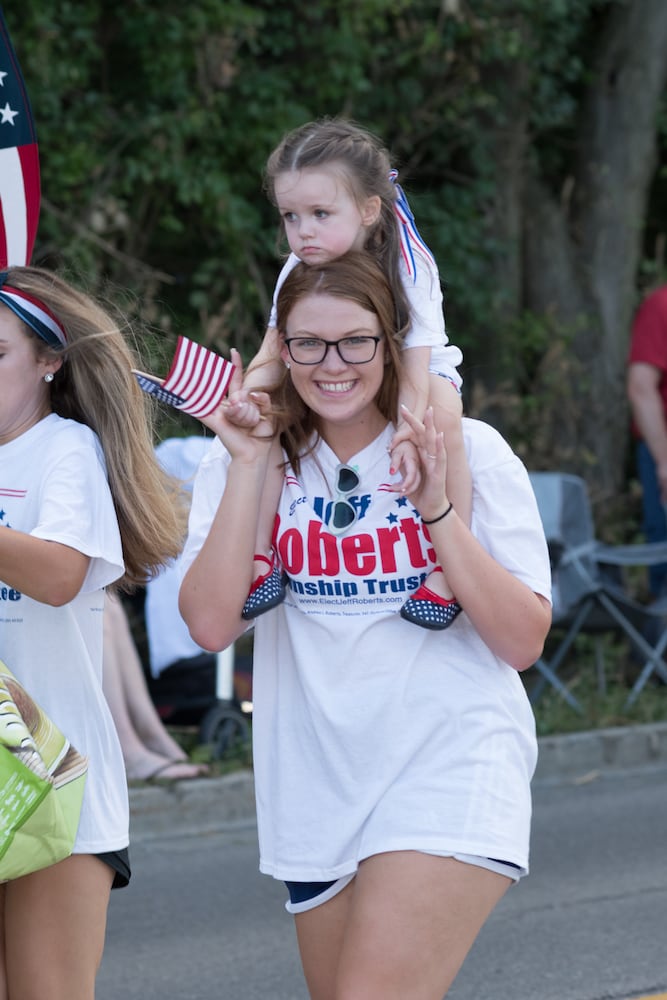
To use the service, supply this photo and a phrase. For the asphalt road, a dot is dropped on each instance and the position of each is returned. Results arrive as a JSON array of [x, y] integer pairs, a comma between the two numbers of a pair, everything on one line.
[[198, 921]]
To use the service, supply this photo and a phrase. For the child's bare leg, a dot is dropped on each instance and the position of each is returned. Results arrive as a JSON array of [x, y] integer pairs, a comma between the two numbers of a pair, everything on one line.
[[447, 412], [268, 588], [264, 372], [434, 604]]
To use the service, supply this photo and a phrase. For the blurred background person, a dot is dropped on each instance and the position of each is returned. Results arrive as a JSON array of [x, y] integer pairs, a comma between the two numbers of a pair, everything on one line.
[[149, 750], [647, 394]]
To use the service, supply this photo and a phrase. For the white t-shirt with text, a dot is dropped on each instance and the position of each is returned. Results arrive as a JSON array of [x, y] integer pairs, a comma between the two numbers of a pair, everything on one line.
[[370, 733], [53, 486]]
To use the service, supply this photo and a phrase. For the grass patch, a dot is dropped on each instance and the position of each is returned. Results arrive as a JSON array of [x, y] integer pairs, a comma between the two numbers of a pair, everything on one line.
[[600, 674], [237, 757]]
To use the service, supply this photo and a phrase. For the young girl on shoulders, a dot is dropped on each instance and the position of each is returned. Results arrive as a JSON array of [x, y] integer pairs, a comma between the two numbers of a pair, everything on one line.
[[85, 505], [335, 190]]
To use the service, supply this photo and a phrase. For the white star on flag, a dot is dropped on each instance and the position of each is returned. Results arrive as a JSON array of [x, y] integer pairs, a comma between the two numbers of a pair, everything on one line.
[[7, 115]]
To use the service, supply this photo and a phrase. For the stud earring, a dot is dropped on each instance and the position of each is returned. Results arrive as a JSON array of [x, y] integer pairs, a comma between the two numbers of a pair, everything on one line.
[[48, 377], [287, 365]]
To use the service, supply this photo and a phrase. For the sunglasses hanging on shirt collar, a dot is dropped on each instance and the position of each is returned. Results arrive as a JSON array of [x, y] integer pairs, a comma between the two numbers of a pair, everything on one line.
[[343, 513]]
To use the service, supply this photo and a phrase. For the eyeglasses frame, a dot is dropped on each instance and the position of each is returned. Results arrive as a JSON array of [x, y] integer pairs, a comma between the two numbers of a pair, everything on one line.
[[329, 344]]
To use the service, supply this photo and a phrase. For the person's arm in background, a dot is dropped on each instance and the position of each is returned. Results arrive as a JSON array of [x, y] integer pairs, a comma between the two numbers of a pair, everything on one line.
[[643, 387]]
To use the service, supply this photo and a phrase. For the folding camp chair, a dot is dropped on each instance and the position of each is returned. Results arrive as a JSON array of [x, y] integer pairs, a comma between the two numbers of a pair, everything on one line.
[[589, 595]]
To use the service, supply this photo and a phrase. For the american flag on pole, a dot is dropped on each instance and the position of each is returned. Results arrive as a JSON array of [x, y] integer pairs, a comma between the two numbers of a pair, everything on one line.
[[19, 161], [197, 380]]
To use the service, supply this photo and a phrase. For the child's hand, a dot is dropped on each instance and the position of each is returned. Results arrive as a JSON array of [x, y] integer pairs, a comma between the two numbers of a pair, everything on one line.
[[243, 421], [242, 409], [404, 458], [428, 496]]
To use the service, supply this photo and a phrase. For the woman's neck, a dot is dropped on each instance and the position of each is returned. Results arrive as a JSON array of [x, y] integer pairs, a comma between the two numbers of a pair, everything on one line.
[[347, 440]]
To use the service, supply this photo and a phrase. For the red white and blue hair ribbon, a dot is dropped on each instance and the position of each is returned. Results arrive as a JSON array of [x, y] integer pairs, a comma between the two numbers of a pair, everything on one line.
[[411, 240], [33, 312], [197, 381], [20, 194]]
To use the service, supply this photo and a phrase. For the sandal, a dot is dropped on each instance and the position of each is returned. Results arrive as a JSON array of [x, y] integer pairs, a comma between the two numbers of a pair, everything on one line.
[[267, 591], [429, 610]]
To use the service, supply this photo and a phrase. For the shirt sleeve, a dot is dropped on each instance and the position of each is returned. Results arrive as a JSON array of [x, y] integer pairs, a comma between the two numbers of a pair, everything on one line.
[[76, 509], [288, 266], [648, 343], [506, 519], [427, 327], [208, 488]]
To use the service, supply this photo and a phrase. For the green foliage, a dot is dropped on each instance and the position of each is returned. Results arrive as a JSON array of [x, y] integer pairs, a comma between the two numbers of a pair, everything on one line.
[[155, 120]]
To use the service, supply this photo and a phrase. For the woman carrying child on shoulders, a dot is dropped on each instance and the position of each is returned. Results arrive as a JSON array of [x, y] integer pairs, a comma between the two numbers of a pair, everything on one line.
[[392, 767]]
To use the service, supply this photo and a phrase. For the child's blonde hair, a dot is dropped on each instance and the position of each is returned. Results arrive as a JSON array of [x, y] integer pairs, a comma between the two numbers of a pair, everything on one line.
[[364, 165], [95, 386]]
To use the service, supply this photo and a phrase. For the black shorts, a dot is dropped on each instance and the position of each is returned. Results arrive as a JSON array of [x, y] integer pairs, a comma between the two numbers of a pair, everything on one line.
[[120, 862]]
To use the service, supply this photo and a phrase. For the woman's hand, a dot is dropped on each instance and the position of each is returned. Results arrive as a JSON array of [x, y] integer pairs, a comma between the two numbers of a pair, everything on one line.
[[429, 497], [243, 421]]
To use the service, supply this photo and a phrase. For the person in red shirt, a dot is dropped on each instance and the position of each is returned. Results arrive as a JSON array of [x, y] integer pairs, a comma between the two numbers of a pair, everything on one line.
[[647, 393]]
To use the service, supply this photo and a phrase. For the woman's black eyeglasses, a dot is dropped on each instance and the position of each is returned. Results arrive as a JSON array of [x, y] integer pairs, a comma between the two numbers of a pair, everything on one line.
[[351, 350], [343, 514]]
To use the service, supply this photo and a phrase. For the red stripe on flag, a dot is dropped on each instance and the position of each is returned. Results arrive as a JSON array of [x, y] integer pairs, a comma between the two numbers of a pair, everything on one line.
[[199, 376], [19, 203], [3, 238], [32, 187]]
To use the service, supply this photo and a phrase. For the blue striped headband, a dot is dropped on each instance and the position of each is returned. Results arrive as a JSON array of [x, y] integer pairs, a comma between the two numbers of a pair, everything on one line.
[[33, 313]]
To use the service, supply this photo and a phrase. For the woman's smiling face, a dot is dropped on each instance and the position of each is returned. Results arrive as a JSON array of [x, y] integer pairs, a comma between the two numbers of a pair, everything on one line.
[[341, 394]]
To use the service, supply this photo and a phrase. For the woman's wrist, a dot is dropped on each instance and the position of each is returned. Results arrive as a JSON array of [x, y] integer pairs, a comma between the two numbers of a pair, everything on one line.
[[449, 507]]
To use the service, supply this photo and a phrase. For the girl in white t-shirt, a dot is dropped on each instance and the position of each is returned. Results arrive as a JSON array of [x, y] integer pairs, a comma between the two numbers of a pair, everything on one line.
[[83, 505], [392, 768], [335, 190]]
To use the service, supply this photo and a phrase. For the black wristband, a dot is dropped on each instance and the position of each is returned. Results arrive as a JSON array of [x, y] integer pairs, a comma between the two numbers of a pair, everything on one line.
[[440, 516]]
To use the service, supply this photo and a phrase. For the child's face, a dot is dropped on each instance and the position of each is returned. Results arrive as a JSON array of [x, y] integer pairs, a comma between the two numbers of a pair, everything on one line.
[[322, 219]]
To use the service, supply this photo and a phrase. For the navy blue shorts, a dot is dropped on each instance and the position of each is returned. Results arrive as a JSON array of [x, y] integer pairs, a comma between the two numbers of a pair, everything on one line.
[[307, 895], [120, 862]]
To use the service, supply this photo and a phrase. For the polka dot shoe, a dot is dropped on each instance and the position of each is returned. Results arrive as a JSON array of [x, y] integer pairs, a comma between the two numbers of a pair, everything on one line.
[[268, 591], [429, 610]]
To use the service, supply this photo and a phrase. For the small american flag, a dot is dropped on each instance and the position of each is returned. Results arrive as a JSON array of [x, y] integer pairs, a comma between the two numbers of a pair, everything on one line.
[[153, 387], [19, 161], [197, 381]]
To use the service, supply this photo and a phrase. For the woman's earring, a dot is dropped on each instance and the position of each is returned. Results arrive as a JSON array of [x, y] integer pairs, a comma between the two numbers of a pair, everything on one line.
[[48, 377], [287, 365]]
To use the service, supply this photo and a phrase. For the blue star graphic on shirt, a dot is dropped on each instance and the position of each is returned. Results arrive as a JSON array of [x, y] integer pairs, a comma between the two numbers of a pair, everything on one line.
[[392, 518], [402, 501], [2, 515]]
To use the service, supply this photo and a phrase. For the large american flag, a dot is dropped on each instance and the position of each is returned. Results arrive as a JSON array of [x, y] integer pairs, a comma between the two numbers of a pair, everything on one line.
[[19, 160], [197, 380]]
